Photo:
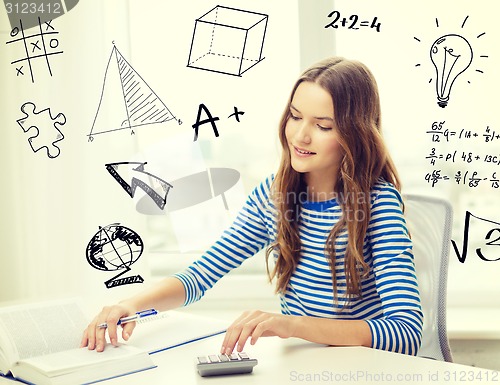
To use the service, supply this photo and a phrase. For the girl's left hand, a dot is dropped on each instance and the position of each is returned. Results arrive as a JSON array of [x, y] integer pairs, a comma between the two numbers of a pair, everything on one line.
[[255, 324]]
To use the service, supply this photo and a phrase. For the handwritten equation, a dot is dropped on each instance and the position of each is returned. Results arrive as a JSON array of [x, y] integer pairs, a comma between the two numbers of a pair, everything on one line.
[[439, 133], [466, 157], [461, 177], [352, 22]]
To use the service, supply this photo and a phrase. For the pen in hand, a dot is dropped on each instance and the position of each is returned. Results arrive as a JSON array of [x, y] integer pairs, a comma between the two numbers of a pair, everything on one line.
[[135, 317]]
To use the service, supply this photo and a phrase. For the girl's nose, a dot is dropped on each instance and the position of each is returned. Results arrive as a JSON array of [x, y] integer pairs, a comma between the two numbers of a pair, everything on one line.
[[303, 134]]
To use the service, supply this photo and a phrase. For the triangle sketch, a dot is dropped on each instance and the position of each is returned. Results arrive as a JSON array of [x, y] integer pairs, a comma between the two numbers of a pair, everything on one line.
[[126, 101]]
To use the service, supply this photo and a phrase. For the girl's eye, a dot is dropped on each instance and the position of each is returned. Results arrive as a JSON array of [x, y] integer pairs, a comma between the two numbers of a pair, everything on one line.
[[324, 128], [293, 117]]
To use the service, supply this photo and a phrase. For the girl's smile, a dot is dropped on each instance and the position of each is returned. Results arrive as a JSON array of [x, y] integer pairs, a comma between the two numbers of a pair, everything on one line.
[[303, 153]]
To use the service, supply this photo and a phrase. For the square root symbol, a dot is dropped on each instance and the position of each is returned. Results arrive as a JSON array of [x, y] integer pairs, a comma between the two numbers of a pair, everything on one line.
[[228, 40]]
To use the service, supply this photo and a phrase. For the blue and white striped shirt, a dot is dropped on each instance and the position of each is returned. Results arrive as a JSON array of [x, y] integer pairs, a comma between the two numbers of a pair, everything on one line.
[[389, 301]]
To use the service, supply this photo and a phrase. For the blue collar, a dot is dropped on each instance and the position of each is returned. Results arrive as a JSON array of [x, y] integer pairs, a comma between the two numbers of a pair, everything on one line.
[[320, 206]]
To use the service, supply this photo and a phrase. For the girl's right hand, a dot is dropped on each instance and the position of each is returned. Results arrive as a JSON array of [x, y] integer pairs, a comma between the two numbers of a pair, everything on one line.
[[94, 337]]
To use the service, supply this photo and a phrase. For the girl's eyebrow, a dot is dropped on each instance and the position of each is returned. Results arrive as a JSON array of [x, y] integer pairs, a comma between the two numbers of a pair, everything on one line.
[[315, 117]]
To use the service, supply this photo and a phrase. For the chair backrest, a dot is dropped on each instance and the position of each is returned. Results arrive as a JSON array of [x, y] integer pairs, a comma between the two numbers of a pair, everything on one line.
[[429, 221]]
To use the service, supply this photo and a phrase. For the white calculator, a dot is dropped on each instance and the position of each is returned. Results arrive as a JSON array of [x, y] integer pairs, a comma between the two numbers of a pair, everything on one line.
[[221, 364]]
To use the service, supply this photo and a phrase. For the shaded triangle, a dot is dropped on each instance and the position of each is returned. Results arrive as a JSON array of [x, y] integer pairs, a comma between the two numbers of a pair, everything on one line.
[[142, 103], [111, 112]]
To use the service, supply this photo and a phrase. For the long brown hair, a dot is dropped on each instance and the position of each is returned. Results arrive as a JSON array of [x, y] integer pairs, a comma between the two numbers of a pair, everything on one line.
[[357, 113]]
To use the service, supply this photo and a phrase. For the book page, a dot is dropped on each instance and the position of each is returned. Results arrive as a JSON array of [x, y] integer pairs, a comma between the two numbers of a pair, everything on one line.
[[39, 329], [82, 366], [75, 359]]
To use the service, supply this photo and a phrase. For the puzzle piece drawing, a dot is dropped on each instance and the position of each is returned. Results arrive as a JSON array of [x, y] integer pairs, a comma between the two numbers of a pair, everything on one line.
[[43, 128]]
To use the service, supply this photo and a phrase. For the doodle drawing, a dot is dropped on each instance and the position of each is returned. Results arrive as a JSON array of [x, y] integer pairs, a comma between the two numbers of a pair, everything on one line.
[[37, 46], [451, 55], [148, 187], [113, 248], [127, 101], [42, 128], [227, 40]]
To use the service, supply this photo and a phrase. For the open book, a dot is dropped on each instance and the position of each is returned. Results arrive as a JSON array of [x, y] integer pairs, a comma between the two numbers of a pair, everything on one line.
[[39, 343]]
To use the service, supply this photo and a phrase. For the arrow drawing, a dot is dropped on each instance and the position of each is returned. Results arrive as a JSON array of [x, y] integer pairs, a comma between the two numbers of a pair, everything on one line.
[[131, 188]]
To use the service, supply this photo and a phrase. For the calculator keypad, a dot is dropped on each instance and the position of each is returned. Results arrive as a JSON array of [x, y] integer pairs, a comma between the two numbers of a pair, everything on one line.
[[221, 364]]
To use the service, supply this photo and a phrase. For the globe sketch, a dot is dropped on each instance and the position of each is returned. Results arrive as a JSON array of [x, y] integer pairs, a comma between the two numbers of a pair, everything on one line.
[[114, 247]]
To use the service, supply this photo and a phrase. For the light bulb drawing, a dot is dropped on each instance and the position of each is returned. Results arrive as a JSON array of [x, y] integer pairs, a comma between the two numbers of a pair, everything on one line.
[[451, 55]]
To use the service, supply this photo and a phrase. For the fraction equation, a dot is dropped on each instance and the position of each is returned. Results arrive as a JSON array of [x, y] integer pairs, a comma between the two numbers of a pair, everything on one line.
[[468, 178], [352, 22], [489, 157], [440, 133], [462, 156]]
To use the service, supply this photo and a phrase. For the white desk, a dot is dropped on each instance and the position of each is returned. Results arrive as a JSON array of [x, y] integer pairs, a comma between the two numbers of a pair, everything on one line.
[[295, 361]]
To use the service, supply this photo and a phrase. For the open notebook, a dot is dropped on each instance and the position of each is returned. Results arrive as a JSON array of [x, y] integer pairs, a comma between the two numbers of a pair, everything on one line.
[[175, 328]]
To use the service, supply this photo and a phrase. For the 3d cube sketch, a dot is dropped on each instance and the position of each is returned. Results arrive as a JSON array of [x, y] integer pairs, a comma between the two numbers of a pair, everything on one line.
[[228, 40]]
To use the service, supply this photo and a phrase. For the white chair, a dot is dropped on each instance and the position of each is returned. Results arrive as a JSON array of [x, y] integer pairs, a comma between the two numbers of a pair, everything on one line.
[[429, 221]]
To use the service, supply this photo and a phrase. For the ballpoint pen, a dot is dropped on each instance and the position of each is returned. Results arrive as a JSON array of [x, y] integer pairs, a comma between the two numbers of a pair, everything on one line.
[[135, 317]]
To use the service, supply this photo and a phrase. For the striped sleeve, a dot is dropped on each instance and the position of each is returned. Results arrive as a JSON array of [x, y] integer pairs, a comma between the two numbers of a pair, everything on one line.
[[400, 328], [245, 237]]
